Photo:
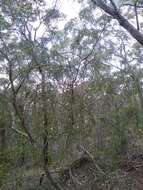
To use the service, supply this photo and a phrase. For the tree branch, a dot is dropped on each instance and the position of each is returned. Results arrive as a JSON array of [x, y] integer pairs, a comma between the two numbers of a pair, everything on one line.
[[122, 20]]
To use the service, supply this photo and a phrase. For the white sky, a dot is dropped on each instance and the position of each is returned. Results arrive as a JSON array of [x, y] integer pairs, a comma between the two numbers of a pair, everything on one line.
[[69, 7]]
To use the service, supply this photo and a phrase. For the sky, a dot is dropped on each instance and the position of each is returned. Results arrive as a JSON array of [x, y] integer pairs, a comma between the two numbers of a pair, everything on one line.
[[69, 7]]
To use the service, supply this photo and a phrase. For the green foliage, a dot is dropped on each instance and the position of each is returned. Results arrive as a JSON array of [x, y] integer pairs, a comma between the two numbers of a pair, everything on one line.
[[5, 165], [3, 23], [119, 136], [119, 141]]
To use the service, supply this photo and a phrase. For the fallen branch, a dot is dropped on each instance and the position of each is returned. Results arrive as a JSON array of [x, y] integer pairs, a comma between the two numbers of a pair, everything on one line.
[[73, 178], [92, 159], [19, 132]]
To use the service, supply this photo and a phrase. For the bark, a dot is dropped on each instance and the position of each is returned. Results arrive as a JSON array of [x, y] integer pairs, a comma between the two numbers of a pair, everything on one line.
[[136, 34]]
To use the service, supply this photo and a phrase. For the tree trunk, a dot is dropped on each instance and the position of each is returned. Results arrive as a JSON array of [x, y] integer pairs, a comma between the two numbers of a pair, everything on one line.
[[2, 138], [45, 131]]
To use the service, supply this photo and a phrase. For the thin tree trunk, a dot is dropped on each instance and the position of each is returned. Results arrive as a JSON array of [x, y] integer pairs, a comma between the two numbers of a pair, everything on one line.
[[2, 138], [45, 132], [139, 89], [15, 105], [69, 146]]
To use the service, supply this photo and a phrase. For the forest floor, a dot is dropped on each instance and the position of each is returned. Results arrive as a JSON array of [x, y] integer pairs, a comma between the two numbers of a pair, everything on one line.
[[86, 172], [82, 174]]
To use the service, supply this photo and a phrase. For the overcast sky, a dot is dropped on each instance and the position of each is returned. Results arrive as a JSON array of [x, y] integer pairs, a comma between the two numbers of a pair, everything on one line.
[[69, 7]]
